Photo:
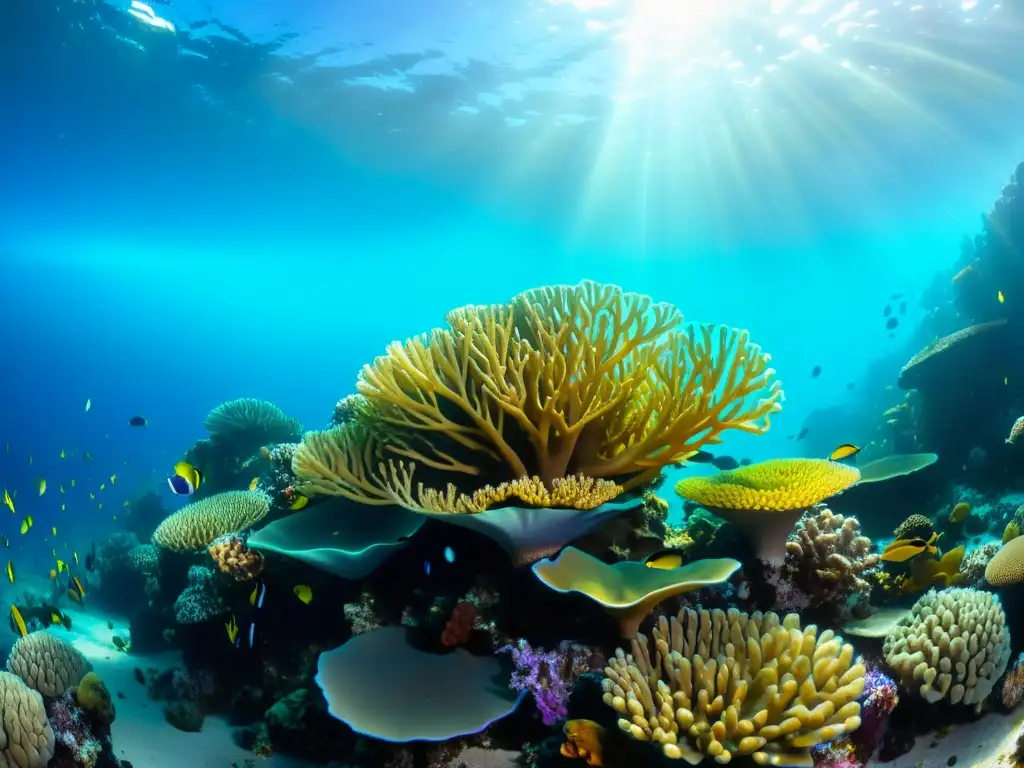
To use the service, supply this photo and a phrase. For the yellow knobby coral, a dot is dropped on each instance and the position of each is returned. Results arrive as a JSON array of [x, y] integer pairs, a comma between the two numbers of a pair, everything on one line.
[[197, 525], [93, 696], [47, 663], [724, 684], [566, 380], [26, 738], [765, 500], [954, 644]]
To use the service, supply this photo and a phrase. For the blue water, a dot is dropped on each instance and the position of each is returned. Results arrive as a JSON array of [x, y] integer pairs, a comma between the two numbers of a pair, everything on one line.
[[257, 203]]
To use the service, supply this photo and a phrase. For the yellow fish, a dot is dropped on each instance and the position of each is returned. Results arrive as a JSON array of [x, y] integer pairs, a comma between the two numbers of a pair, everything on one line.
[[113, 478], [960, 512], [902, 550], [26, 524], [103, 486], [78, 587], [72, 482], [304, 593], [61, 565], [75, 554], [126, 504], [54, 552], [42, 487], [63, 507], [299, 503], [88, 405], [10, 571], [62, 454], [232, 627], [253, 483], [844, 451], [8, 501], [666, 559], [100, 506], [53, 574], [54, 529], [62, 489], [1000, 297], [92, 495], [18, 621]]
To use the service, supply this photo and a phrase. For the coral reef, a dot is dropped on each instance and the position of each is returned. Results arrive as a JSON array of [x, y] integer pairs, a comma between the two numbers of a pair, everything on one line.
[[722, 684], [954, 645], [201, 600], [972, 569], [47, 663], [248, 424], [548, 676], [26, 738], [234, 558]]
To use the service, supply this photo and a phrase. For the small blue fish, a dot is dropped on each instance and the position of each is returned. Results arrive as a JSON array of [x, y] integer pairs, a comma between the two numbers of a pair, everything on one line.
[[252, 633], [449, 554], [258, 593], [426, 567]]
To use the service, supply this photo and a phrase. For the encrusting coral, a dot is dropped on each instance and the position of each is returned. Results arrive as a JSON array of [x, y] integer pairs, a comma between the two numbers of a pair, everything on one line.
[[724, 684], [195, 526], [47, 663], [828, 559], [26, 738], [954, 644], [765, 500], [567, 380]]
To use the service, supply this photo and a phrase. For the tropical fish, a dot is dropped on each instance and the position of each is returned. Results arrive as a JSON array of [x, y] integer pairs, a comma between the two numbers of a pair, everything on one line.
[[6, 541], [110, 625], [72, 482], [665, 559], [960, 512], [253, 483], [119, 644], [902, 550], [54, 530], [62, 454], [718, 462], [299, 502], [75, 590], [26, 524], [103, 486], [137, 421], [186, 479], [56, 617], [815, 371], [888, 310], [258, 593], [891, 323], [75, 555], [304, 593], [53, 575], [92, 495], [8, 501], [999, 297], [62, 489], [113, 479], [63, 507], [88, 404], [61, 565], [10, 571], [252, 632], [17, 622], [1015, 431], [449, 555], [90, 559], [42, 486], [232, 627], [126, 503], [844, 451], [963, 273]]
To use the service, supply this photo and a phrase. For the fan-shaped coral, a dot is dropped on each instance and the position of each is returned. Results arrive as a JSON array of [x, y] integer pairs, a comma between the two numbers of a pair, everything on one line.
[[765, 500], [563, 380], [727, 684], [196, 525], [26, 738], [47, 663], [248, 423], [954, 644]]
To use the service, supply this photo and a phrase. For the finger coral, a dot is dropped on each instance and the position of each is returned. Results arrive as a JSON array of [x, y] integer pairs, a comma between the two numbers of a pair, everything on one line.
[[249, 423], [47, 663], [725, 684], [195, 526], [828, 559], [26, 738], [954, 644], [765, 500], [566, 380]]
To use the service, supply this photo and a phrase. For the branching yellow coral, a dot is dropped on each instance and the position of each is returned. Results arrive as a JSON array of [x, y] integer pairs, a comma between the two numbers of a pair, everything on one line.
[[567, 380]]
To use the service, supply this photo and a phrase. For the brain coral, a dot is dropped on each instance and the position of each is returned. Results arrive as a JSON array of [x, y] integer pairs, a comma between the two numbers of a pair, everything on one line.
[[197, 525], [954, 644], [1007, 567], [727, 684], [26, 738], [47, 663]]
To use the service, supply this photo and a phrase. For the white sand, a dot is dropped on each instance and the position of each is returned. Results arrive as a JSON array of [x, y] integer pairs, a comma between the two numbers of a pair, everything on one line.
[[987, 743], [140, 733]]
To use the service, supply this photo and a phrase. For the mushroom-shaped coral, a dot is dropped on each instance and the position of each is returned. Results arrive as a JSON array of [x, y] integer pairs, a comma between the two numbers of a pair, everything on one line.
[[765, 500], [564, 382], [195, 526], [828, 558], [249, 423], [26, 738], [954, 644], [724, 684], [879, 624], [342, 538], [1006, 569], [384, 688], [234, 558], [897, 465], [628, 590], [47, 663]]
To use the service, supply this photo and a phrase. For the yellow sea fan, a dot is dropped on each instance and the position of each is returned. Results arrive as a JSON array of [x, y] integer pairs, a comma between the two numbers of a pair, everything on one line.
[[196, 525], [777, 485]]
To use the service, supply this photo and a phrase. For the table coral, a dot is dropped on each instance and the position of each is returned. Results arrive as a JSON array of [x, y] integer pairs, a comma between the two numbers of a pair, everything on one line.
[[195, 526], [724, 684]]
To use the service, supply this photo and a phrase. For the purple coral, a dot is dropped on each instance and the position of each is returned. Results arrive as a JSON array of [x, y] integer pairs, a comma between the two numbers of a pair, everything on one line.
[[540, 673], [879, 699]]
